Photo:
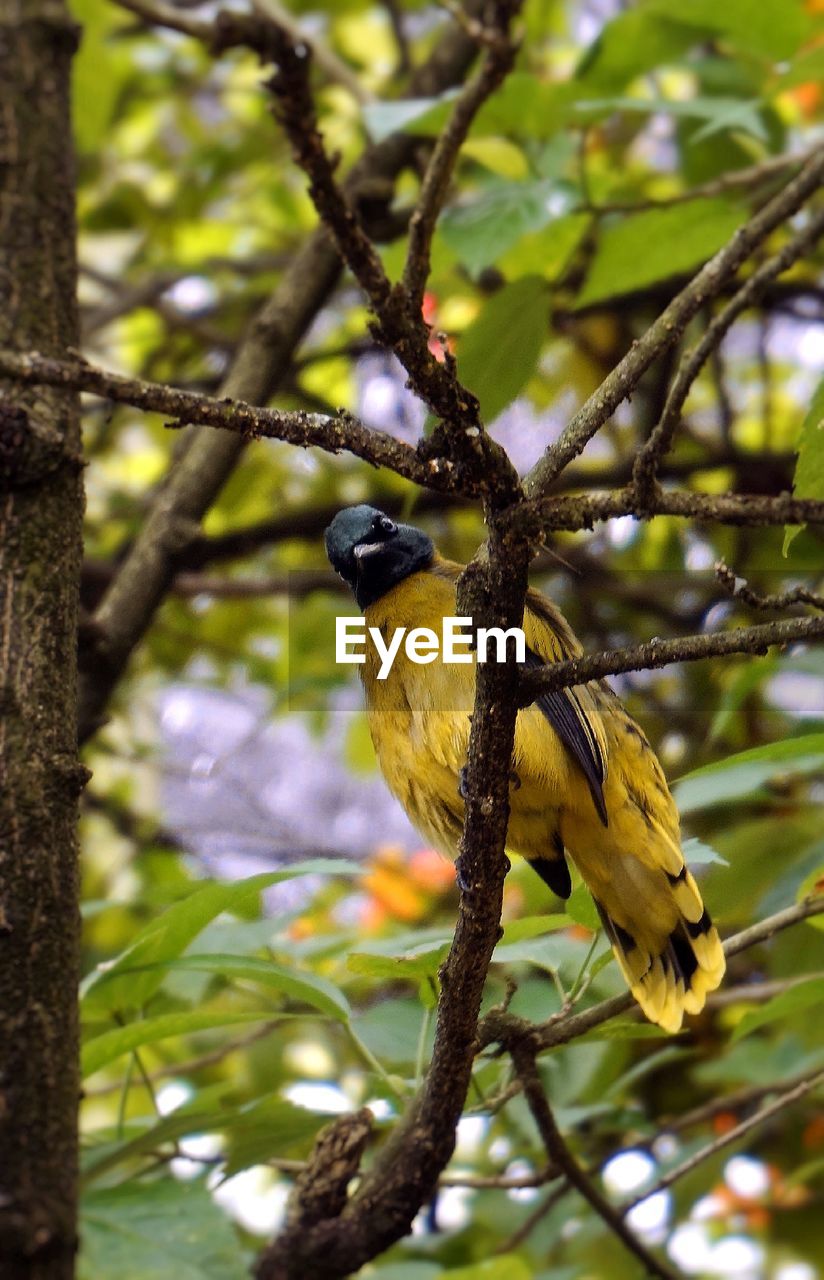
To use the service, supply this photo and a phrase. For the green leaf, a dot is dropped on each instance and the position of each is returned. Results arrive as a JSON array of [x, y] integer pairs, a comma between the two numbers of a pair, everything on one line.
[[498, 353], [154, 1230], [94, 96], [110, 1045], [801, 996], [630, 44], [270, 1127], [427, 115], [773, 29], [809, 469], [582, 909], [505, 1267], [642, 248], [718, 113], [744, 774], [416, 964], [206, 1112], [306, 988], [620, 1029], [533, 927], [480, 231], [697, 853], [168, 936]]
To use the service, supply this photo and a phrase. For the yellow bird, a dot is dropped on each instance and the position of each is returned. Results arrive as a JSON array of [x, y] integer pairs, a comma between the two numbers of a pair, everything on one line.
[[585, 782]]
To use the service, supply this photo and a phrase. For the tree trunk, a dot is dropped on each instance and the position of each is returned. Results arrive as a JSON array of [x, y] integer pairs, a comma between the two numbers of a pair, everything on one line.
[[41, 504]]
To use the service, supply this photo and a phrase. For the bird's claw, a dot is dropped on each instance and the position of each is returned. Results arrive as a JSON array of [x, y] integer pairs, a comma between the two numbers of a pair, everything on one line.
[[463, 883]]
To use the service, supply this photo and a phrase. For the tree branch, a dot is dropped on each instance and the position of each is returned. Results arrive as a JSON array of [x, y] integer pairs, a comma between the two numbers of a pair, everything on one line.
[[786, 1099], [333, 434], [400, 325], [406, 1170], [660, 441], [259, 366], [559, 1154], [741, 509], [669, 326], [660, 653], [495, 67], [501, 1027], [739, 589]]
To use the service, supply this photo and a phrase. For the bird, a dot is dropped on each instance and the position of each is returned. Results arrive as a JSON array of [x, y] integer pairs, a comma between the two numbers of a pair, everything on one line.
[[585, 786]]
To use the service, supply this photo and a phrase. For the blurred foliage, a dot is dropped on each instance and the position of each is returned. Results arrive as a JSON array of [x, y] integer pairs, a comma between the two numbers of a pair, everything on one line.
[[225, 1020]]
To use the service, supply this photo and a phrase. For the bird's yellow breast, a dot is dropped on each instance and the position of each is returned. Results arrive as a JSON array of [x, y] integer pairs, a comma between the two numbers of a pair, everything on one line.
[[419, 719]]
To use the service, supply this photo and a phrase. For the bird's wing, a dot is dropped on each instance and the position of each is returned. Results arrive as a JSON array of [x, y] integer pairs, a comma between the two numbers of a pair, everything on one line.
[[573, 713]]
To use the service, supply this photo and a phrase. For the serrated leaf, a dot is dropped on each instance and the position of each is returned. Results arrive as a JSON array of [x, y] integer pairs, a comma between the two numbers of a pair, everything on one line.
[[773, 29], [801, 996], [808, 481], [481, 230], [718, 113], [642, 248], [697, 853], [154, 1230], [746, 773], [498, 353]]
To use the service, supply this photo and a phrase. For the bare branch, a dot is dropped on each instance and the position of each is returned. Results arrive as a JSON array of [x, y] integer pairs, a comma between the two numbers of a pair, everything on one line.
[[406, 1170], [740, 590], [731, 1102], [786, 1099], [260, 361], [669, 326], [660, 653], [742, 509], [496, 65], [660, 440], [736, 180], [400, 325], [297, 427], [523, 1057]]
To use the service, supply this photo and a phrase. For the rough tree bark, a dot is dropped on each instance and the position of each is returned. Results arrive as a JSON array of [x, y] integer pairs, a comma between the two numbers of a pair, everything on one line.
[[41, 503]]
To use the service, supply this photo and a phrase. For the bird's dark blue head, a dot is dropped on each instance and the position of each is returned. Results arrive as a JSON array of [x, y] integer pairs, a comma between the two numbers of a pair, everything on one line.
[[372, 553]]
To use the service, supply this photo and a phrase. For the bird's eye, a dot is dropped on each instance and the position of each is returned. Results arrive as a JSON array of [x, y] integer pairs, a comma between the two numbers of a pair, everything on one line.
[[386, 525]]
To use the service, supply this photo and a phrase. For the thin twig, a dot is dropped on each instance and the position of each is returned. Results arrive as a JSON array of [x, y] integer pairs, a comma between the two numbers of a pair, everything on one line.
[[296, 427], [743, 509], [660, 440], [399, 323], [735, 180], [739, 589], [669, 326], [730, 1103], [759, 1117], [660, 653], [504, 1028], [523, 1057], [497, 63]]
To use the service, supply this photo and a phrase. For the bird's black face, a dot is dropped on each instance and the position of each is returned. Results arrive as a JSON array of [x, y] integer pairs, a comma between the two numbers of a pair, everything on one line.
[[372, 553]]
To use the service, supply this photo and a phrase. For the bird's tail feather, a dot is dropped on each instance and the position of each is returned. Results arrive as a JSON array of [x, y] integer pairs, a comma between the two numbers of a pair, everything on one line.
[[669, 973]]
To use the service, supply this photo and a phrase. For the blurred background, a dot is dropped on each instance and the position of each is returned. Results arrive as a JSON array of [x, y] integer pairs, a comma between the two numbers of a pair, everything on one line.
[[629, 143]]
